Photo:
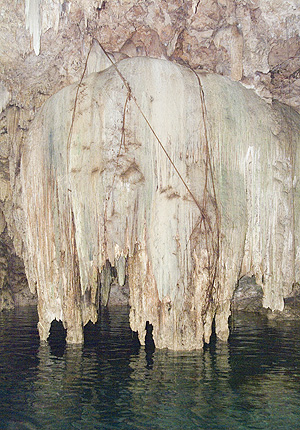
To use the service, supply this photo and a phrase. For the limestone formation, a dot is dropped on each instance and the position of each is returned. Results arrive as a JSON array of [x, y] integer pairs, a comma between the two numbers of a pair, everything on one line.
[[14, 290], [46, 46], [182, 181], [248, 296]]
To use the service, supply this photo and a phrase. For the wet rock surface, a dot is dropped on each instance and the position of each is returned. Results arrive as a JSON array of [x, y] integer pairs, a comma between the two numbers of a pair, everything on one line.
[[14, 289], [248, 296], [291, 310]]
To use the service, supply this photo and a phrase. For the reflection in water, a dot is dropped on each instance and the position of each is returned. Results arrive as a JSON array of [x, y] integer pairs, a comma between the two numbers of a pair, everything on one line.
[[253, 382], [182, 388], [57, 384], [149, 345]]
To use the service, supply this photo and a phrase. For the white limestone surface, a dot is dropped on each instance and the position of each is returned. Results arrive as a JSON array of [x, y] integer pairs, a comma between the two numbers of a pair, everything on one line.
[[192, 180]]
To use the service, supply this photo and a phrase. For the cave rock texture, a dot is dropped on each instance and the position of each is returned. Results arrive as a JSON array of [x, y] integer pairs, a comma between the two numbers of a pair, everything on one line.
[[183, 181]]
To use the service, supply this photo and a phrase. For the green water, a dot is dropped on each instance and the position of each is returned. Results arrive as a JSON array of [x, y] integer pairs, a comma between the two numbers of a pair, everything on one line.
[[253, 382]]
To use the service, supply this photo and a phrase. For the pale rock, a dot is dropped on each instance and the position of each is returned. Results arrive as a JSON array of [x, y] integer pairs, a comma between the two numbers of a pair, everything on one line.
[[144, 42], [4, 97], [33, 22], [231, 39], [102, 187], [65, 30], [2, 222], [4, 189], [98, 60], [62, 33]]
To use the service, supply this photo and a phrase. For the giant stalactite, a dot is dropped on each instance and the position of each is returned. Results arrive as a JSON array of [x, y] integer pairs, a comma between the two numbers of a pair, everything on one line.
[[183, 181]]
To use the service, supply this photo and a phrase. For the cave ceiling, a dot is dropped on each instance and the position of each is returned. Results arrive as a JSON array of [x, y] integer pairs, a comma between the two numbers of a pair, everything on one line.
[[44, 44]]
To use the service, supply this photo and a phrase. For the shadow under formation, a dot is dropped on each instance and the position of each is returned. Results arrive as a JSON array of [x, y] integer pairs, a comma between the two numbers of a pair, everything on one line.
[[149, 345], [57, 338]]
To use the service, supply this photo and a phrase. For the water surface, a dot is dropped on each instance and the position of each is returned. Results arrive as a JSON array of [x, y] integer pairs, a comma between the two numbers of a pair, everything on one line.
[[252, 382]]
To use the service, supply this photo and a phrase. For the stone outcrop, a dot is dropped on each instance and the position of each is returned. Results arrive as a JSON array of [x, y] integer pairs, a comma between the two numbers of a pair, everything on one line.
[[182, 181]]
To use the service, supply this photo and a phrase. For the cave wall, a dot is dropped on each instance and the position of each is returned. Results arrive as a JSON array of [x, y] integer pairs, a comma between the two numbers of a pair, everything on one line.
[[44, 44], [189, 177], [48, 45], [14, 289]]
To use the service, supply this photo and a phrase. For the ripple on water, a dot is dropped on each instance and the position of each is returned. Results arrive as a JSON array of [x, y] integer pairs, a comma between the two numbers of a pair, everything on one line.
[[251, 382]]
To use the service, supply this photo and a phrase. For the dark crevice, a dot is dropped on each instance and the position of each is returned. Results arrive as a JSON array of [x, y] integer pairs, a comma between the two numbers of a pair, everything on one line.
[[149, 345], [57, 338], [149, 342]]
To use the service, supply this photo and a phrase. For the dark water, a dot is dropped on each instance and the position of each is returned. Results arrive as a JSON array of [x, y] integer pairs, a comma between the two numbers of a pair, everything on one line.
[[253, 382]]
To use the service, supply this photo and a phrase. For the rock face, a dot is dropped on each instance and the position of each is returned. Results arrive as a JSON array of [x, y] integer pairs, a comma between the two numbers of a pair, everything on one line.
[[248, 296], [14, 290], [182, 181], [44, 44]]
